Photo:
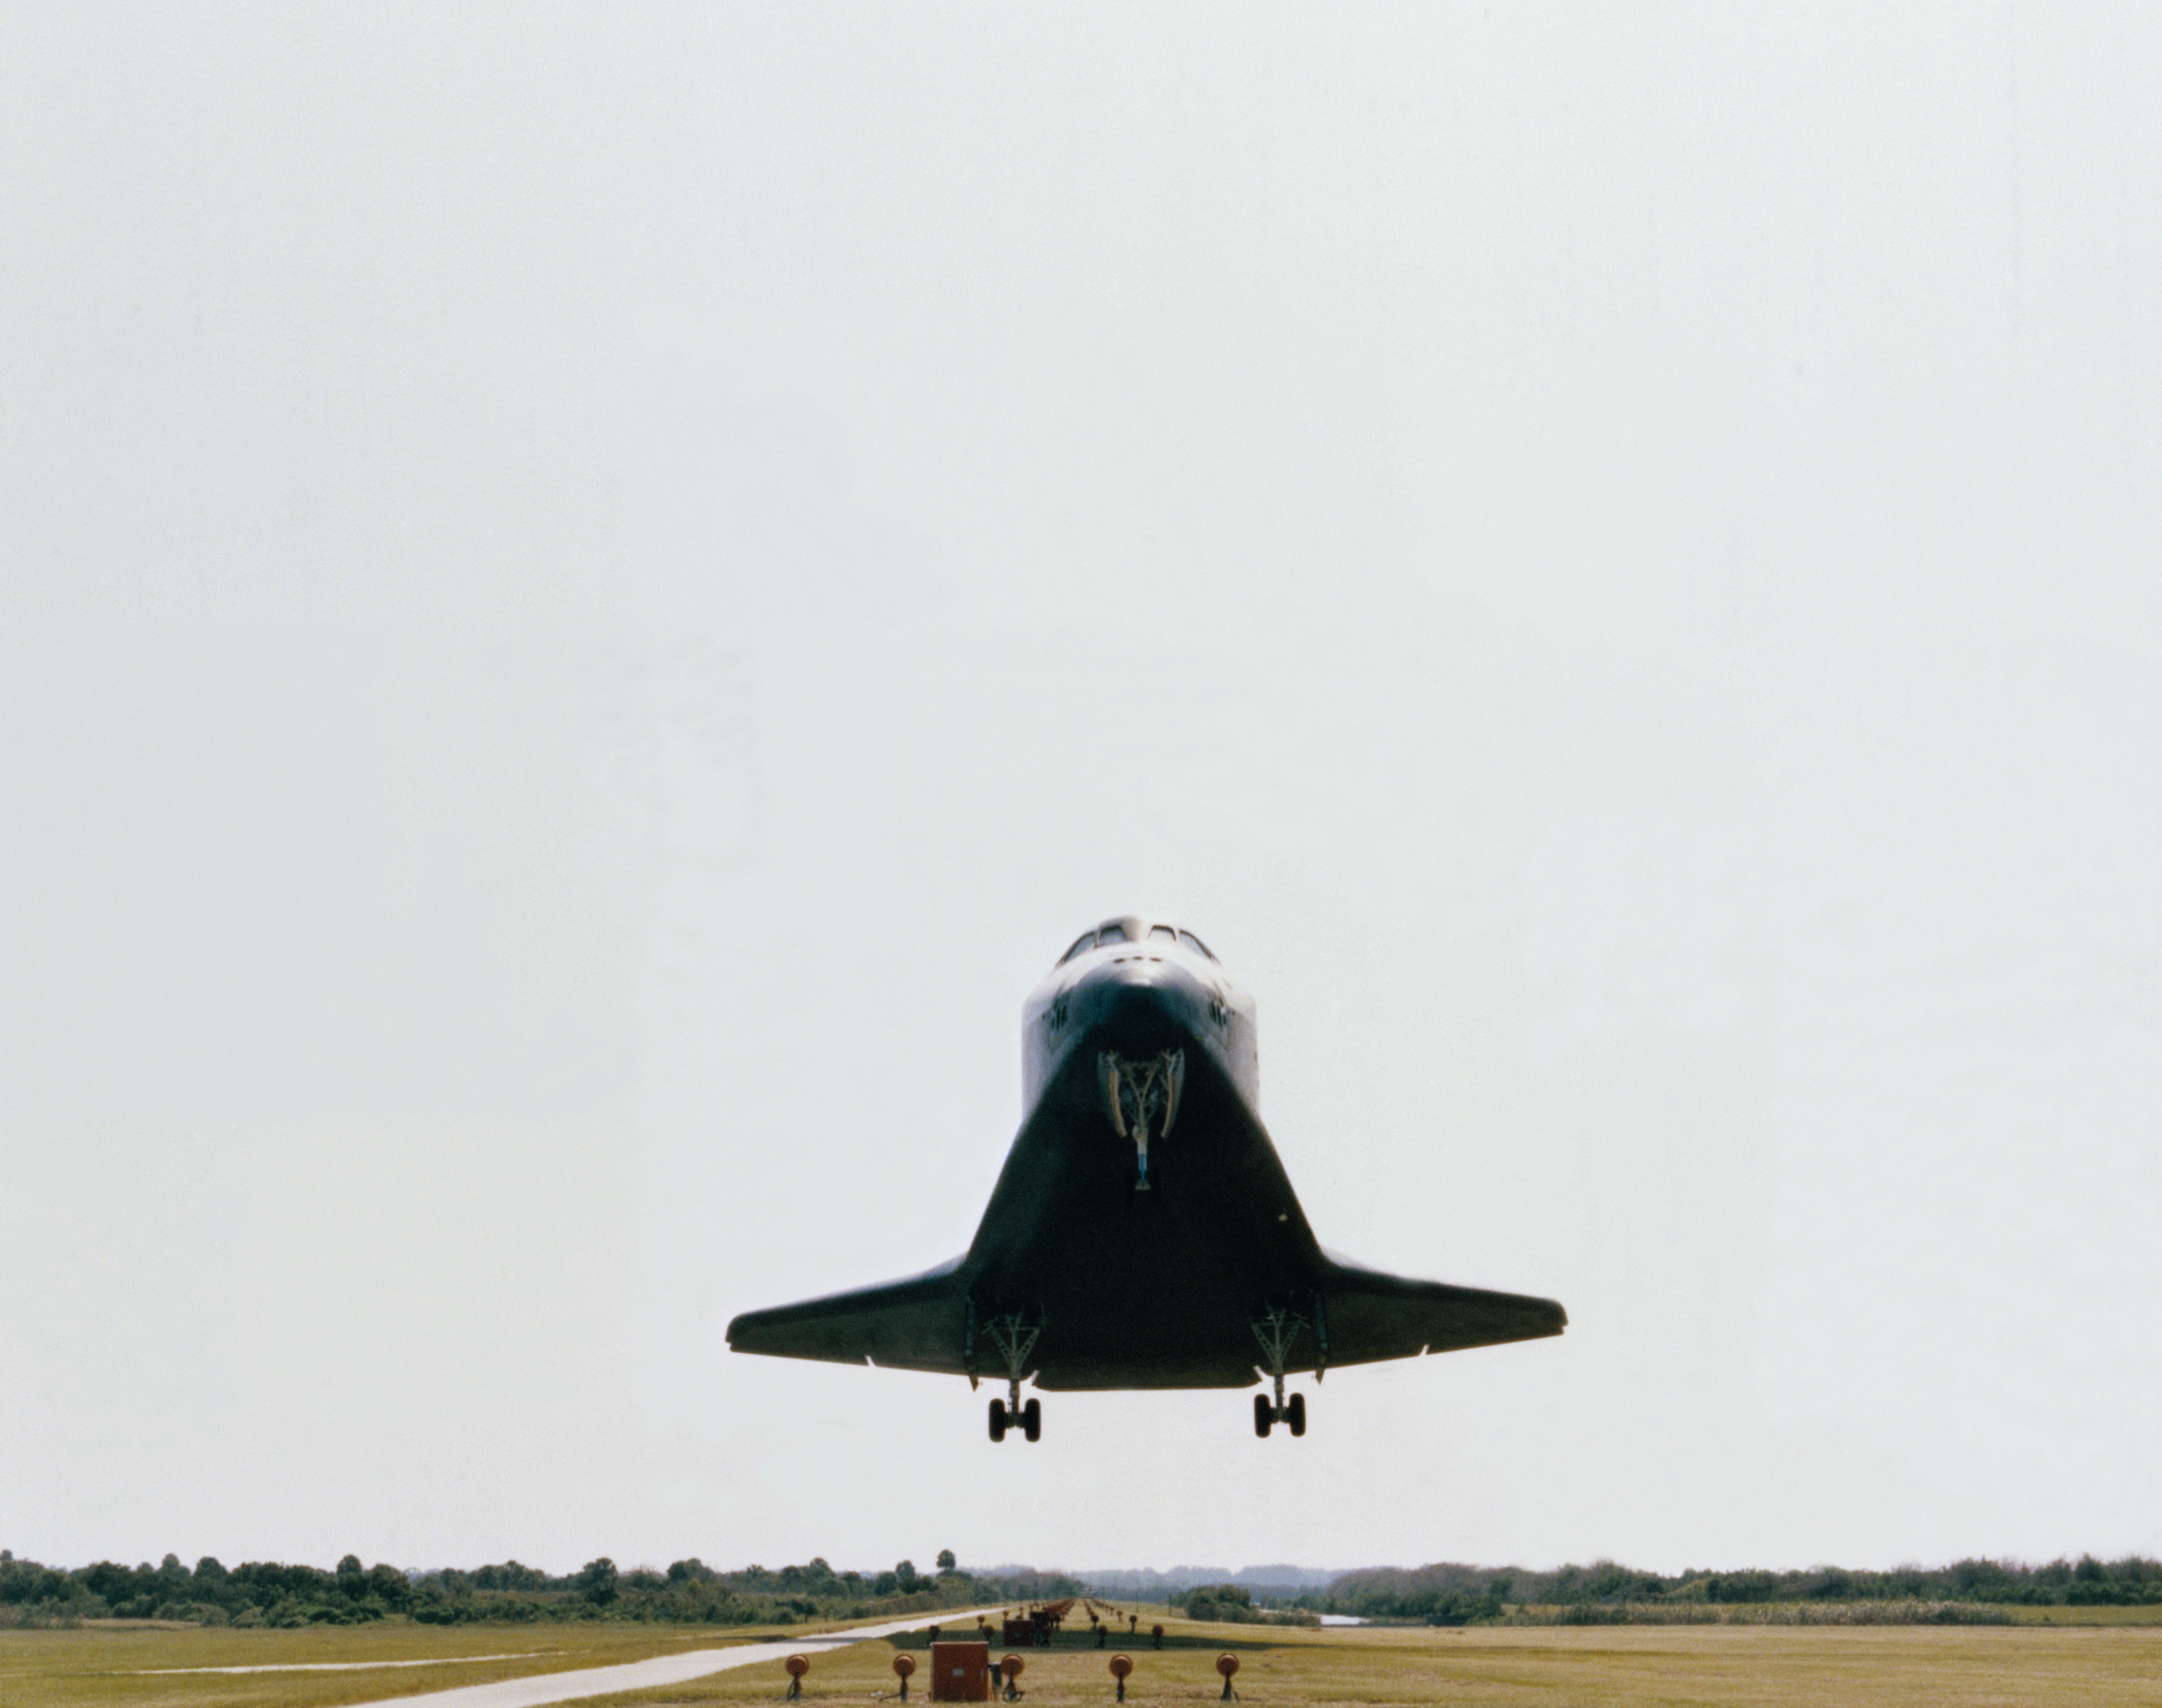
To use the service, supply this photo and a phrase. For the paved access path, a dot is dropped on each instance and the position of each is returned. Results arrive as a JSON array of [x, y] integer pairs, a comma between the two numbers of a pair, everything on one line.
[[673, 1668]]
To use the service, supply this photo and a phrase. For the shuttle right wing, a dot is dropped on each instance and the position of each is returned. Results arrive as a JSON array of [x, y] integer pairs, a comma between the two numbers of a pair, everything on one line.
[[919, 1324]]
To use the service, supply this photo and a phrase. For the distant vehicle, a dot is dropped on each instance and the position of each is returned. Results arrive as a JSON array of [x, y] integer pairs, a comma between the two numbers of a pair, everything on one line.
[[1142, 1233]]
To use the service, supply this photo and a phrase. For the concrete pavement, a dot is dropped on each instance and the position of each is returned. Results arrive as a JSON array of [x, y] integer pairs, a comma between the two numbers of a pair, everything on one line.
[[674, 1669]]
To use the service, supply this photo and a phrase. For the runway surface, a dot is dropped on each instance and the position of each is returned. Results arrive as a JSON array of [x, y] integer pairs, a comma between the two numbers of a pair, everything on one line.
[[675, 1669], [339, 1666]]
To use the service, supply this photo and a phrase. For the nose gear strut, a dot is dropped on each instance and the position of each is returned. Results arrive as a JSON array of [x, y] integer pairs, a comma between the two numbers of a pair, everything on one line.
[[1276, 1329], [1137, 1092]]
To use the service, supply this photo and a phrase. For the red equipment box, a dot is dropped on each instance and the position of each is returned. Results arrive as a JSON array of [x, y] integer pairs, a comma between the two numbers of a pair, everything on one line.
[[960, 1672]]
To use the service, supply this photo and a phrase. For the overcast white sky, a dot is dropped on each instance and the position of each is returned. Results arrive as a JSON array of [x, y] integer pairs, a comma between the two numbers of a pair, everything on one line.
[[587, 601]]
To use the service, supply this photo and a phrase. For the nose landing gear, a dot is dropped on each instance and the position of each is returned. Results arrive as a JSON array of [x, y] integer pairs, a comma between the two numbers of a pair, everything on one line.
[[1138, 1092], [1028, 1418]]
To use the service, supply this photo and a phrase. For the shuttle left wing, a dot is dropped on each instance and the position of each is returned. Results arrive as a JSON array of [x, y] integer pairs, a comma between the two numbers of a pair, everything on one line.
[[1373, 1315]]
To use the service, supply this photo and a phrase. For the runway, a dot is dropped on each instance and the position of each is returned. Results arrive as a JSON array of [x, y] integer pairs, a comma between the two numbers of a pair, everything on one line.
[[339, 1666], [676, 1668]]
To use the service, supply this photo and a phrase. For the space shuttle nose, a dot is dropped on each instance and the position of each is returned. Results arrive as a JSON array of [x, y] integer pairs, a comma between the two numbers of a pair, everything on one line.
[[1140, 1009], [1138, 1005]]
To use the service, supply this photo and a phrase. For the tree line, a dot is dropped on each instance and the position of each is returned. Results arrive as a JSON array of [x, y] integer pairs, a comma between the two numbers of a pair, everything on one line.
[[1460, 1595], [265, 1593]]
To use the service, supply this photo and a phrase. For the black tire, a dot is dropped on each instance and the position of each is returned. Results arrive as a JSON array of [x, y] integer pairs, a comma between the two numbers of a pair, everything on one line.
[[1264, 1415], [998, 1420], [1295, 1414], [1031, 1420]]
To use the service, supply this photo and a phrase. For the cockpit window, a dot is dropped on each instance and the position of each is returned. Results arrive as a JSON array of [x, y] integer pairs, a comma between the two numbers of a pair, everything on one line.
[[1164, 931], [1111, 933], [1193, 941], [1086, 940]]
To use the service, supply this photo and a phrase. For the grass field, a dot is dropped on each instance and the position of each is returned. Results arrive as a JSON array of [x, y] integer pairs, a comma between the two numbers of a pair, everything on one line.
[[134, 1667], [2000, 1666], [1621, 1665]]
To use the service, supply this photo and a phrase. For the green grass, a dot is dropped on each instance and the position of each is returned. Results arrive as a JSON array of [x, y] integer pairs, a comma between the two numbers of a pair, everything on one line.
[[123, 1667], [2108, 1659]]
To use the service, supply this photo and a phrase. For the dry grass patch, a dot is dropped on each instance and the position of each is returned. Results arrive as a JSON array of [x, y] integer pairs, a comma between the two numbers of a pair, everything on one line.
[[1615, 1667]]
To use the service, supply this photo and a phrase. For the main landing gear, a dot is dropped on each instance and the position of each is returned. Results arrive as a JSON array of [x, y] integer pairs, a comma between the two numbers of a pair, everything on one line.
[[1028, 1418], [1015, 1337], [1276, 1329]]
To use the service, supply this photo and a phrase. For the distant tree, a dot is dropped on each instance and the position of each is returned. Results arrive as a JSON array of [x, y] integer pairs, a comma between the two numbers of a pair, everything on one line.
[[350, 1566], [596, 1581], [886, 1584], [509, 1574], [946, 1559], [1985, 1580], [1233, 1603], [1606, 1581], [209, 1571], [904, 1576]]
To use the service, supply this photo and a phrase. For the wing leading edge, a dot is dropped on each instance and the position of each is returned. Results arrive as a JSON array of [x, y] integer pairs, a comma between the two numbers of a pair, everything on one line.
[[918, 1323]]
